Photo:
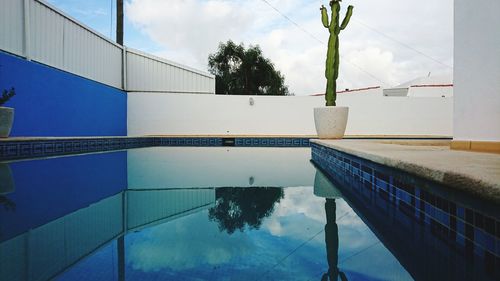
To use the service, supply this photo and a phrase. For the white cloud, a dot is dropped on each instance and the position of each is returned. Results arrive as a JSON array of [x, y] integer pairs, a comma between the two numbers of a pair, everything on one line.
[[299, 204], [189, 30], [161, 247]]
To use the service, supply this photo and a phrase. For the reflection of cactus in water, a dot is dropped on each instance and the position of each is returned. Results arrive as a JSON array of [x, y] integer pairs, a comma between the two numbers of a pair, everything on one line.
[[332, 58]]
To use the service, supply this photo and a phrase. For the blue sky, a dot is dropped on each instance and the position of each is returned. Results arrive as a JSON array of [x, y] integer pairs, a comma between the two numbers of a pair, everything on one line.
[[388, 42], [100, 15]]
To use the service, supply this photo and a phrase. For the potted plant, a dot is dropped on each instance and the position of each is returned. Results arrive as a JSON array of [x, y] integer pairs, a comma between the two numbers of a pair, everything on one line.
[[331, 120], [6, 113]]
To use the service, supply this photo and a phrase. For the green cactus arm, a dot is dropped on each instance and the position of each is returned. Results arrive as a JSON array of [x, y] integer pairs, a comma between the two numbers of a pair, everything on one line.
[[347, 18], [324, 16]]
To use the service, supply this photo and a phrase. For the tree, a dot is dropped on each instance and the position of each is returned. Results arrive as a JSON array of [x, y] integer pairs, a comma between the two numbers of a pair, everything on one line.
[[240, 71]]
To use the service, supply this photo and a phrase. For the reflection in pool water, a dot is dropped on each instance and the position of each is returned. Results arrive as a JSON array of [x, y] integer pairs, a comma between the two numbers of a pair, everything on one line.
[[243, 208], [175, 226], [332, 243]]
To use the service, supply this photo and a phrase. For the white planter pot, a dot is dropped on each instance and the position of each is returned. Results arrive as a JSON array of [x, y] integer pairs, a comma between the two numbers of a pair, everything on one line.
[[331, 121], [6, 120]]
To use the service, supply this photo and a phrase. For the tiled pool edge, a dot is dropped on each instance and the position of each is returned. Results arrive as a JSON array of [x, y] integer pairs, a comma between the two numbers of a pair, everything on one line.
[[24, 148], [398, 199], [462, 182]]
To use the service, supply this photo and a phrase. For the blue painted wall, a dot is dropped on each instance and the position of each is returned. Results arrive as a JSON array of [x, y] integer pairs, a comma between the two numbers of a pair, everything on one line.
[[51, 102]]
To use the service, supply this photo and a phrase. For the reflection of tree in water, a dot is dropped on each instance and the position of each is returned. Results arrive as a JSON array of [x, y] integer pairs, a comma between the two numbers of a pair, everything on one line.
[[237, 207]]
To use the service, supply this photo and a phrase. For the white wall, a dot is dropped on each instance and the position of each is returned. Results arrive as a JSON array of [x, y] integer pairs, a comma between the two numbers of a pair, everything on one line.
[[419, 92], [477, 70], [370, 114]]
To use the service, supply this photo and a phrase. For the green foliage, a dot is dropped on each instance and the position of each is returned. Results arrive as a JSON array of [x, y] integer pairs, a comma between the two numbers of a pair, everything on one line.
[[7, 95], [240, 71], [332, 57]]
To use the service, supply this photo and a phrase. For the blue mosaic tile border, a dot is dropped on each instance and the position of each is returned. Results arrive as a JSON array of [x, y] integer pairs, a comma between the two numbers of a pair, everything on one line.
[[409, 201], [190, 141], [21, 149], [10, 150], [273, 142]]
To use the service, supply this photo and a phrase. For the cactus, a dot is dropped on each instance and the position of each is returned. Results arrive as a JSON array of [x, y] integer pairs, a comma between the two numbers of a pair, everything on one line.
[[332, 58]]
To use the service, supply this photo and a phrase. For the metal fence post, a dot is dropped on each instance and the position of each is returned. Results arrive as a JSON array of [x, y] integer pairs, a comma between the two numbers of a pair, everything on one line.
[[124, 68], [26, 30]]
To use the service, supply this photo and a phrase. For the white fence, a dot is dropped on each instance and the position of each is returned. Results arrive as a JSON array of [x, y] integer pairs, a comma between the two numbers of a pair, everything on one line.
[[37, 31], [370, 114], [153, 74]]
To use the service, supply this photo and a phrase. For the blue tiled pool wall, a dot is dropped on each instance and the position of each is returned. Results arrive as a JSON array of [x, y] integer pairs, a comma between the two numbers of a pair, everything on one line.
[[54, 103], [21, 149], [407, 202]]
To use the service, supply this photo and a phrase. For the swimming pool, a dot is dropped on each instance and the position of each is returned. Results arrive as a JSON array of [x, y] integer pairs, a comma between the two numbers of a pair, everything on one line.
[[236, 213]]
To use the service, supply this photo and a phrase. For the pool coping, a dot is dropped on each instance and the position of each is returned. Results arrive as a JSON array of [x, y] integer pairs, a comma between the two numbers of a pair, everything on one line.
[[472, 172]]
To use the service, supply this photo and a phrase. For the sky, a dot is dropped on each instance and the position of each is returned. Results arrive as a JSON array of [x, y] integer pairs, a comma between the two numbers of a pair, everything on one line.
[[387, 42]]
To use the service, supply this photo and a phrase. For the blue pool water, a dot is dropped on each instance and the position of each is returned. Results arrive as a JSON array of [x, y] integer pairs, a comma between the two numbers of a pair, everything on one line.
[[217, 213]]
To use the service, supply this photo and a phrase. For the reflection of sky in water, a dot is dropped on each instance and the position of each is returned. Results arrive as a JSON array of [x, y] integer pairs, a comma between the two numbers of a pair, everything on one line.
[[290, 245]]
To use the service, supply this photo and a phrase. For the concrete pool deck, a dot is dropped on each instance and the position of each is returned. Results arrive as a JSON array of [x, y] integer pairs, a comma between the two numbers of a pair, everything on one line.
[[474, 172]]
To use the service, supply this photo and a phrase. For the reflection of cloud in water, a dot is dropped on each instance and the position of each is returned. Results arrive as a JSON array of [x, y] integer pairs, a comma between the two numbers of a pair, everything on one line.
[[195, 245], [183, 244], [301, 214], [298, 215]]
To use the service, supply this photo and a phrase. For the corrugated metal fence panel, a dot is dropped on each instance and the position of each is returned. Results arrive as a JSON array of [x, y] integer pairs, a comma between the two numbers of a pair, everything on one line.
[[59, 41], [148, 73], [88, 55], [146, 207], [11, 26], [46, 35]]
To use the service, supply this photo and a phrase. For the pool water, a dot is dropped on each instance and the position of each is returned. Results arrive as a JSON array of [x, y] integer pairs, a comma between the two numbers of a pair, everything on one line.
[[174, 213]]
